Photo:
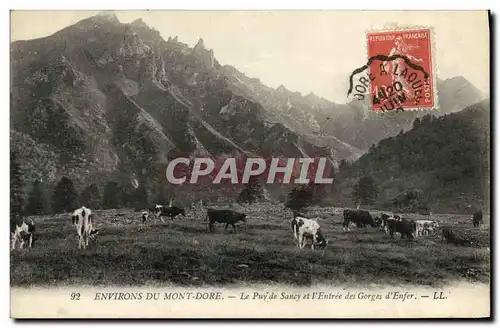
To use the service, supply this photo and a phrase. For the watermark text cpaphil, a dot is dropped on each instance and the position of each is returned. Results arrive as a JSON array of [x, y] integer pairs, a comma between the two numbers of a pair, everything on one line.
[[305, 170]]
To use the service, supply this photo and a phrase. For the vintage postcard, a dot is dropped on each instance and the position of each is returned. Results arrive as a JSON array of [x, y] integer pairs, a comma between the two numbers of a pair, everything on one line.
[[250, 164]]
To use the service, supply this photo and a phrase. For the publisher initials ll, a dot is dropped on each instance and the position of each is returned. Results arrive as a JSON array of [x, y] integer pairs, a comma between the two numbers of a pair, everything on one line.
[[439, 296]]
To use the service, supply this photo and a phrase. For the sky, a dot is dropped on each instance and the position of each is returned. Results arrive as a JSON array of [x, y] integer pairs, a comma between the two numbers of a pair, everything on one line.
[[306, 51]]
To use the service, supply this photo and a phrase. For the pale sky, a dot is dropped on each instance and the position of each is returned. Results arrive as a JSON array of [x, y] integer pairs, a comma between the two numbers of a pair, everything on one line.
[[307, 51]]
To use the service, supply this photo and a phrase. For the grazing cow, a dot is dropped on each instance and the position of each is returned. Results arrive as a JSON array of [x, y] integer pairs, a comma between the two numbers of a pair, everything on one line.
[[381, 221], [306, 228], [450, 237], [82, 220], [359, 217], [424, 227], [229, 217], [477, 218], [385, 220], [170, 211], [21, 231], [405, 227]]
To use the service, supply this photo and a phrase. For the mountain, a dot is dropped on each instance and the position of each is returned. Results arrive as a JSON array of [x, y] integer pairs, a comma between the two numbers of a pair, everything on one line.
[[102, 100], [457, 93], [446, 159]]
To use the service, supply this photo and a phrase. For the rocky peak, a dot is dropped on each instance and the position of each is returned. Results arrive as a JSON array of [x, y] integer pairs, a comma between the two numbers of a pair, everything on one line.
[[281, 88], [139, 22], [311, 95], [107, 16], [204, 55], [200, 46]]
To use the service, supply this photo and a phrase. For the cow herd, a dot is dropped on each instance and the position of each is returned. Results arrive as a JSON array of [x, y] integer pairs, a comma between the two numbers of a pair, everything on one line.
[[304, 229]]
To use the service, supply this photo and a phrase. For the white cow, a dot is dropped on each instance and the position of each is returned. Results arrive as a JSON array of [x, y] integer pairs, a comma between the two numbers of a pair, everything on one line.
[[424, 227], [306, 228], [20, 232], [82, 220]]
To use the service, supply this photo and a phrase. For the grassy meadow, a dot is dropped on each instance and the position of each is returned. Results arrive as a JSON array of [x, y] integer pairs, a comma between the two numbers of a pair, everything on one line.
[[262, 250]]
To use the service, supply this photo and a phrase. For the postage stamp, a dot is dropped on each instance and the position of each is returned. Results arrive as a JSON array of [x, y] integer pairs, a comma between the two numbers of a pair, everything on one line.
[[400, 73], [401, 69]]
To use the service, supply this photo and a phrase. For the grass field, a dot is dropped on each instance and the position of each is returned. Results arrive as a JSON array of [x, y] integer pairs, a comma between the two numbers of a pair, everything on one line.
[[262, 250]]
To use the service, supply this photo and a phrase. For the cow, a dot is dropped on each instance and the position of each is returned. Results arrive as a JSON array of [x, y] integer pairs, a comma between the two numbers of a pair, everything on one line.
[[21, 232], [450, 237], [306, 228], [477, 218], [424, 227], [359, 217], [381, 221], [82, 220], [229, 217], [401, 225], [170, 211]]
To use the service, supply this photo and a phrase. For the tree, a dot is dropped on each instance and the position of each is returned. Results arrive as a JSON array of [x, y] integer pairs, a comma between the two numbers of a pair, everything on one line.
[[110, 196], [16, 186], [38, 203], [140, 197], [252, 192], [160, 197], [299, 198], [416, 123], [91, 197], [64, 196], [125, 195], [165, 194], [365, 191]]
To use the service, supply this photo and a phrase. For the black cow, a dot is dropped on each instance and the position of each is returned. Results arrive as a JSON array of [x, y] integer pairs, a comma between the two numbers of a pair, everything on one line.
[[477, 218], [229, 217], [359, 217], [405, 227], [450, 237], [171, 212]]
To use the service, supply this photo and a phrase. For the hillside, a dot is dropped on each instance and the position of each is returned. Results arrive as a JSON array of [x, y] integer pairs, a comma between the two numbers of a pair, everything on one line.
[[446, 159]]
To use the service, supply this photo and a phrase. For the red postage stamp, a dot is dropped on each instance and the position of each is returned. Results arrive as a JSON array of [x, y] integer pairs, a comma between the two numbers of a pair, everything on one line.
[[400, 68]]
